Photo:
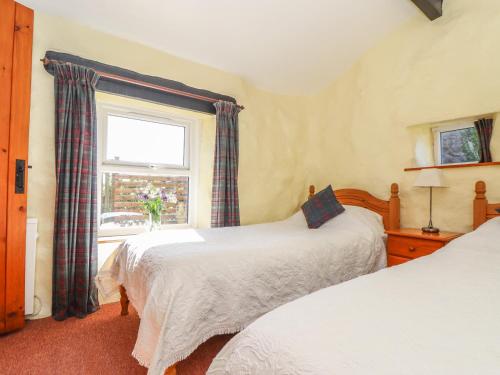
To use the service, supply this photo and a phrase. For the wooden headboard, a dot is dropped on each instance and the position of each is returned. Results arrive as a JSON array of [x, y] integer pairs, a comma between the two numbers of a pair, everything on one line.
[[483, 211], [389, 210]]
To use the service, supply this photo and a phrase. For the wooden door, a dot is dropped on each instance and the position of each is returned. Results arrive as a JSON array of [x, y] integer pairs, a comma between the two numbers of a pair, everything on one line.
[[16, 37]]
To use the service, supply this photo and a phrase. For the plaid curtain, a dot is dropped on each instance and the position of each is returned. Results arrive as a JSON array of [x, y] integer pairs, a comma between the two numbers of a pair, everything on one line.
[[225, 202], [484, 129], [75, 227]]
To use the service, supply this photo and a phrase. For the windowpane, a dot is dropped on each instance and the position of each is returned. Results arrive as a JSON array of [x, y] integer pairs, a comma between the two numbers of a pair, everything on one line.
[[122, 207], [459, 146], [147, 142]]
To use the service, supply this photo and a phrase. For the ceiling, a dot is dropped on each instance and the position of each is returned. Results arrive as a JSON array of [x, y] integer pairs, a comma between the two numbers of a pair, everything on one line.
[[285, 46]]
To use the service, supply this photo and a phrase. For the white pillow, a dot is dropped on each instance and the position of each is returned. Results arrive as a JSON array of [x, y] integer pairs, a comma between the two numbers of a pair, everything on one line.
[[370, 217], [298, 219]]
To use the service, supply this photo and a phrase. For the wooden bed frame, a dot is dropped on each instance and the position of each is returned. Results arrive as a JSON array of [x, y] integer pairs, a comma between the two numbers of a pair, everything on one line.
[[389, 210], [483, 211]]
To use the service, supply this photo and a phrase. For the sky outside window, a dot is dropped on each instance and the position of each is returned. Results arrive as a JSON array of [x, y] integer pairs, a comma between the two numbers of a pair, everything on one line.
[[141, 141]]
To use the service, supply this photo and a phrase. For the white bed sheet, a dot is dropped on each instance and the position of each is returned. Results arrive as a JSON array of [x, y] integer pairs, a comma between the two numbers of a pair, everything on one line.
[[439, 314], [189, 285]]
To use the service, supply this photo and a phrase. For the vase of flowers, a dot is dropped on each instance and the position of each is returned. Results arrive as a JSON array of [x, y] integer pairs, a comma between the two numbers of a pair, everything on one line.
[[153, 201]]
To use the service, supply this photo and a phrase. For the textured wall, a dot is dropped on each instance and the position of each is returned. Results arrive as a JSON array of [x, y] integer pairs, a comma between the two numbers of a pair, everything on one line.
[[271, 181], [423, 73], [354, 133]]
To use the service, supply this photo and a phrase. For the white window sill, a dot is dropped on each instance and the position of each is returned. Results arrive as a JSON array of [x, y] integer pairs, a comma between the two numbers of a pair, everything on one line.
[[113, 239]]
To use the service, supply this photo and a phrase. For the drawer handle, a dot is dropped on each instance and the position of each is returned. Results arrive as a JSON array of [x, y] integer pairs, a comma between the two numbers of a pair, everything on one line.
[[412, 249]]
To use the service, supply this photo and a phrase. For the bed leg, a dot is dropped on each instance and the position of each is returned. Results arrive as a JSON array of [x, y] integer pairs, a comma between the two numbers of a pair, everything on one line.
[[171, 370], [124, 301]]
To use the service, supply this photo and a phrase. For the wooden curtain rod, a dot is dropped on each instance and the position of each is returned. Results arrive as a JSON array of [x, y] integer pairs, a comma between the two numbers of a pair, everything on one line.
[[116, 77]]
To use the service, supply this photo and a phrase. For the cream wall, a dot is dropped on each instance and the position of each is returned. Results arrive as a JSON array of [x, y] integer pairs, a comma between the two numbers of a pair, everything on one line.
[[271, 178], [352, 134], [425, 72]]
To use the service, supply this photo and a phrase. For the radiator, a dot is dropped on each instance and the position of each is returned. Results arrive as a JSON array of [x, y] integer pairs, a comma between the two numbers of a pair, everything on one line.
[[29, 288]]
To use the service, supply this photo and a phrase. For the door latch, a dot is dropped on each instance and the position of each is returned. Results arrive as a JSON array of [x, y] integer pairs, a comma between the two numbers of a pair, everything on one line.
[[20, 168]]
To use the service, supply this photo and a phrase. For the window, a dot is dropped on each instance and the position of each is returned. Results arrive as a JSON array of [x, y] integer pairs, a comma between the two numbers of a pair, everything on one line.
[[140, 152], [154, 143], [456, 144]]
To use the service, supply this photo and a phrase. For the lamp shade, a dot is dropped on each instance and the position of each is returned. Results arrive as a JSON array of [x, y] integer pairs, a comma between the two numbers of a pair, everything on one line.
[[430, 178]]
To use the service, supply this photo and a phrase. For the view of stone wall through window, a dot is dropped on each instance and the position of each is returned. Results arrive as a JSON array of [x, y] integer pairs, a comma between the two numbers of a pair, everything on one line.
[[459, 146], [122, 207]]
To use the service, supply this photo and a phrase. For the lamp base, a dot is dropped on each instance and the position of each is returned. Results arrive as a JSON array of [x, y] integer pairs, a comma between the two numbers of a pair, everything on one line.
[[430, 230]]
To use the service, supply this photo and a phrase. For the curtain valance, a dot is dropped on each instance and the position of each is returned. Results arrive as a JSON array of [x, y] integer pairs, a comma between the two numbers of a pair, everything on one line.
[[116, 86]]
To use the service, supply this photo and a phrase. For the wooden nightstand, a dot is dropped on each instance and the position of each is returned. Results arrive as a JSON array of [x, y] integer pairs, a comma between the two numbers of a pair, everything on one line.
[[407, 244]]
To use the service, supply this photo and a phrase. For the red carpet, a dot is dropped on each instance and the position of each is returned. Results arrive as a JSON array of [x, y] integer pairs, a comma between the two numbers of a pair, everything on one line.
[[98, 344]]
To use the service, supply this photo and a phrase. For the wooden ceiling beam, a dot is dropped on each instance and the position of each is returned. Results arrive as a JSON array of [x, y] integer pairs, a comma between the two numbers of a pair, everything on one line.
[[431, 8]]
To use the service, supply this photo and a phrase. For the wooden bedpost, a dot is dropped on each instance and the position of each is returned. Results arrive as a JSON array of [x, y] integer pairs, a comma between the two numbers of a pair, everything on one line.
[[124, 300], [171, 370], [394, 207], [311, 191], [480, 204]]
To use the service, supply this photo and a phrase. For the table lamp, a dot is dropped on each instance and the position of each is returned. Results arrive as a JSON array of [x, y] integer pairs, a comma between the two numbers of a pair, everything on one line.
[[431, 178]]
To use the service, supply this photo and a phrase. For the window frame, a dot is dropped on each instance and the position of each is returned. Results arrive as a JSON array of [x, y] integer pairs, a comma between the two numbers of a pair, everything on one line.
[[189, 167], [437, 140], [149, 118]]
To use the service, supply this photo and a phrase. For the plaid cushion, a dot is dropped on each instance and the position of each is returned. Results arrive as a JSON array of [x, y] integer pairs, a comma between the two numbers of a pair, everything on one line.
[[322, 207]]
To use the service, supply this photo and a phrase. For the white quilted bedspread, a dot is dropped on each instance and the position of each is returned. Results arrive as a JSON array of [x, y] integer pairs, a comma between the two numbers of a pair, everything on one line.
[[436, 315], [189, 285]]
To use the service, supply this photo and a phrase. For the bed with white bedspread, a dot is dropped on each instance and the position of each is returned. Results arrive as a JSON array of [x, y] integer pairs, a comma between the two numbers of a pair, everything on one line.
[[190, 285], [438, 314]]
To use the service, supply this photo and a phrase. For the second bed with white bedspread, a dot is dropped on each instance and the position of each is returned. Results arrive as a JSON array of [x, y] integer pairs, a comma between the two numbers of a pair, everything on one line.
[[438, 314]]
